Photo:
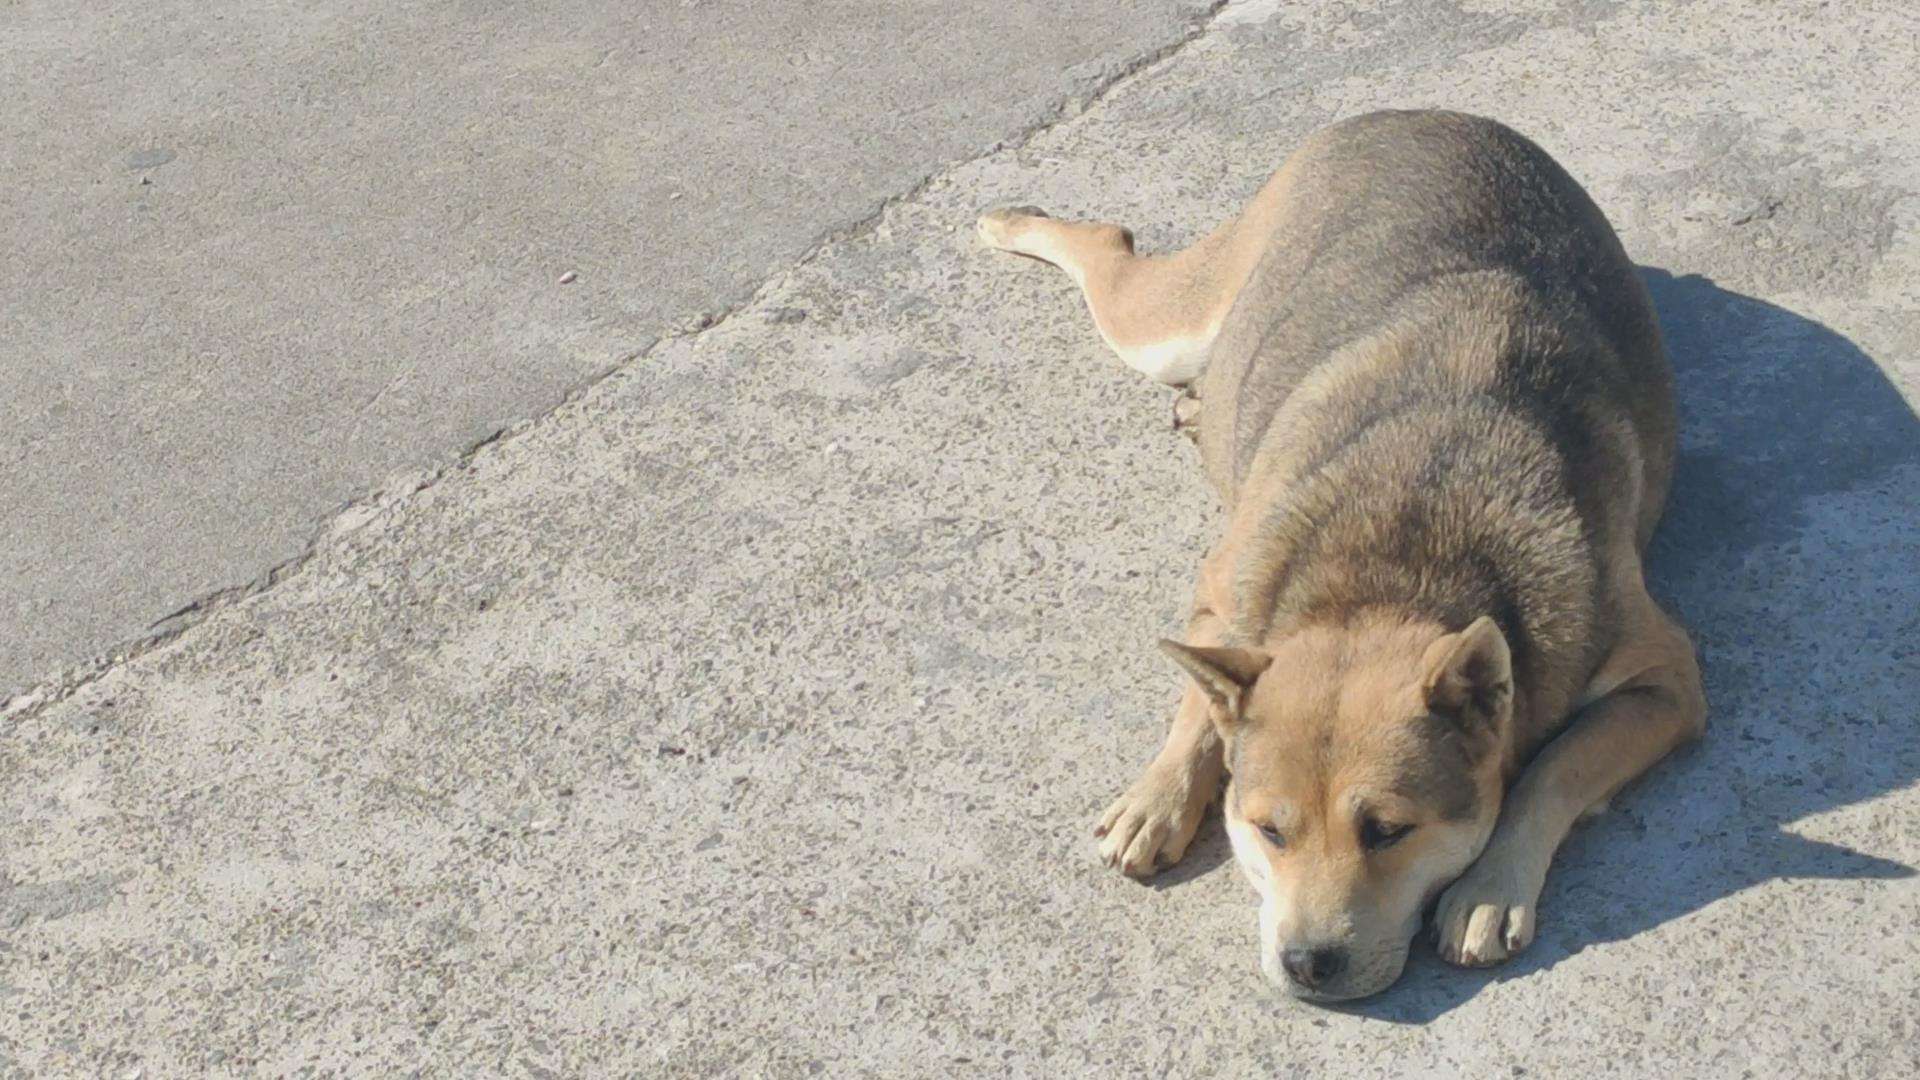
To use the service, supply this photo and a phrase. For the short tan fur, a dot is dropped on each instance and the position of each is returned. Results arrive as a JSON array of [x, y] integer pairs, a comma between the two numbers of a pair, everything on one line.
[[1433, 399]]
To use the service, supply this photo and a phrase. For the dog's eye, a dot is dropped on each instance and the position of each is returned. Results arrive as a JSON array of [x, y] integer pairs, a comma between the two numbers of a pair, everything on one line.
[[1273, 836], [1375, 835]]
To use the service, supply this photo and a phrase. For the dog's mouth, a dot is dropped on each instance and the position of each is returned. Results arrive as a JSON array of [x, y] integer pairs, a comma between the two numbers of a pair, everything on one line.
[[1335, 995], [1322, 997]]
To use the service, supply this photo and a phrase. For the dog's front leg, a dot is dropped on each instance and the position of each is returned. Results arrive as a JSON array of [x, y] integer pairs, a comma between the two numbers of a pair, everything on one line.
[[1149, 827], [1489, 914]]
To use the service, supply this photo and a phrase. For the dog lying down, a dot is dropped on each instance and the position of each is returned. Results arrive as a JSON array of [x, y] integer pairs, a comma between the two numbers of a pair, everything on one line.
[[1434, 402]]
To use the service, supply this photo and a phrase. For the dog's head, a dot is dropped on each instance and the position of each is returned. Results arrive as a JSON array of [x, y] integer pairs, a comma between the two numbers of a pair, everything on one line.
[[1367, 775]]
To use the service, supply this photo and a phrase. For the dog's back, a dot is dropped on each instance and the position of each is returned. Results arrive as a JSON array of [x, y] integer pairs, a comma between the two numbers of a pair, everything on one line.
[[1442, 383]]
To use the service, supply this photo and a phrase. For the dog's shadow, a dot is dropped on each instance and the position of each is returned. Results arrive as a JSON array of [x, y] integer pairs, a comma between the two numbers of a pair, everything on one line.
[[1791, 550]]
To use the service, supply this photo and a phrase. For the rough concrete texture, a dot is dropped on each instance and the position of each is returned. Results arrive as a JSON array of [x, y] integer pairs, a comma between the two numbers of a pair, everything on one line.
[[749, 714], [264, 258]]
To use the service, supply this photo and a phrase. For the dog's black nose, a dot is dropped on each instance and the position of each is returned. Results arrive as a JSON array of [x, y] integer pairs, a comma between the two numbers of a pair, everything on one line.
[[1312, 968]]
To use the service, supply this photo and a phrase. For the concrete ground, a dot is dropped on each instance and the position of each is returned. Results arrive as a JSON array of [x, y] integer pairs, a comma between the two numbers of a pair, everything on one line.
[[266, 258], [749, 713]]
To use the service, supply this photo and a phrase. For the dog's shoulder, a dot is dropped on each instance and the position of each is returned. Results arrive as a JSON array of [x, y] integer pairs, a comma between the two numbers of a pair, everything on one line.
[[1468, 459]]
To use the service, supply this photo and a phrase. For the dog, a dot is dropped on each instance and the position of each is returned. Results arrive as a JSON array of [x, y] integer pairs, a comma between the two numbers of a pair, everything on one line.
[[1430, 391]]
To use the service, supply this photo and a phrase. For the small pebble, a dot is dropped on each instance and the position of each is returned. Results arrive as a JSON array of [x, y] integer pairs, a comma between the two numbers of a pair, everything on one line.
[[567, 278]]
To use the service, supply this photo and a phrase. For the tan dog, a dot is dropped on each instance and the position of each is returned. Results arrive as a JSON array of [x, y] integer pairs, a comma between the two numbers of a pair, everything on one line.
[[1435, 404]]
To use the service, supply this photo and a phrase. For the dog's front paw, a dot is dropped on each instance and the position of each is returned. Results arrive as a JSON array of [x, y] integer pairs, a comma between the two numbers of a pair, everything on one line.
[[1149, 828], [1488, 915]]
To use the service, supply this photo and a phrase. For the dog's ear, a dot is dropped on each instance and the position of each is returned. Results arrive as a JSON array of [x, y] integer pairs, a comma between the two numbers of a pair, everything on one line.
[[1469, 676], [1224, 674]]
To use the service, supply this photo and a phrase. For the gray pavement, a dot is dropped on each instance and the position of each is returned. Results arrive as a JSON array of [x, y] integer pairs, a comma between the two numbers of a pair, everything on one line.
[[263, 260], [748, 714]]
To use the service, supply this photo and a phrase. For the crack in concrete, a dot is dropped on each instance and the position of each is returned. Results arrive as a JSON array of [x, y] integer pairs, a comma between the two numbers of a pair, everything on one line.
[[358, 513]]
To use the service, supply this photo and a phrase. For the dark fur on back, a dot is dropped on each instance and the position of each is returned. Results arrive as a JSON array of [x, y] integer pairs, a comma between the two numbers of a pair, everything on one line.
[[1443, 392]]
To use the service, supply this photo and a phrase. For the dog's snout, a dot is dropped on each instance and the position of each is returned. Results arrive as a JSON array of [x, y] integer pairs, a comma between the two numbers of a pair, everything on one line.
[[1313, 968]]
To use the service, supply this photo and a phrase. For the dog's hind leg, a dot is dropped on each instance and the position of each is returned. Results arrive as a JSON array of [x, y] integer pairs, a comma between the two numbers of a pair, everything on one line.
[[1159, 313]]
